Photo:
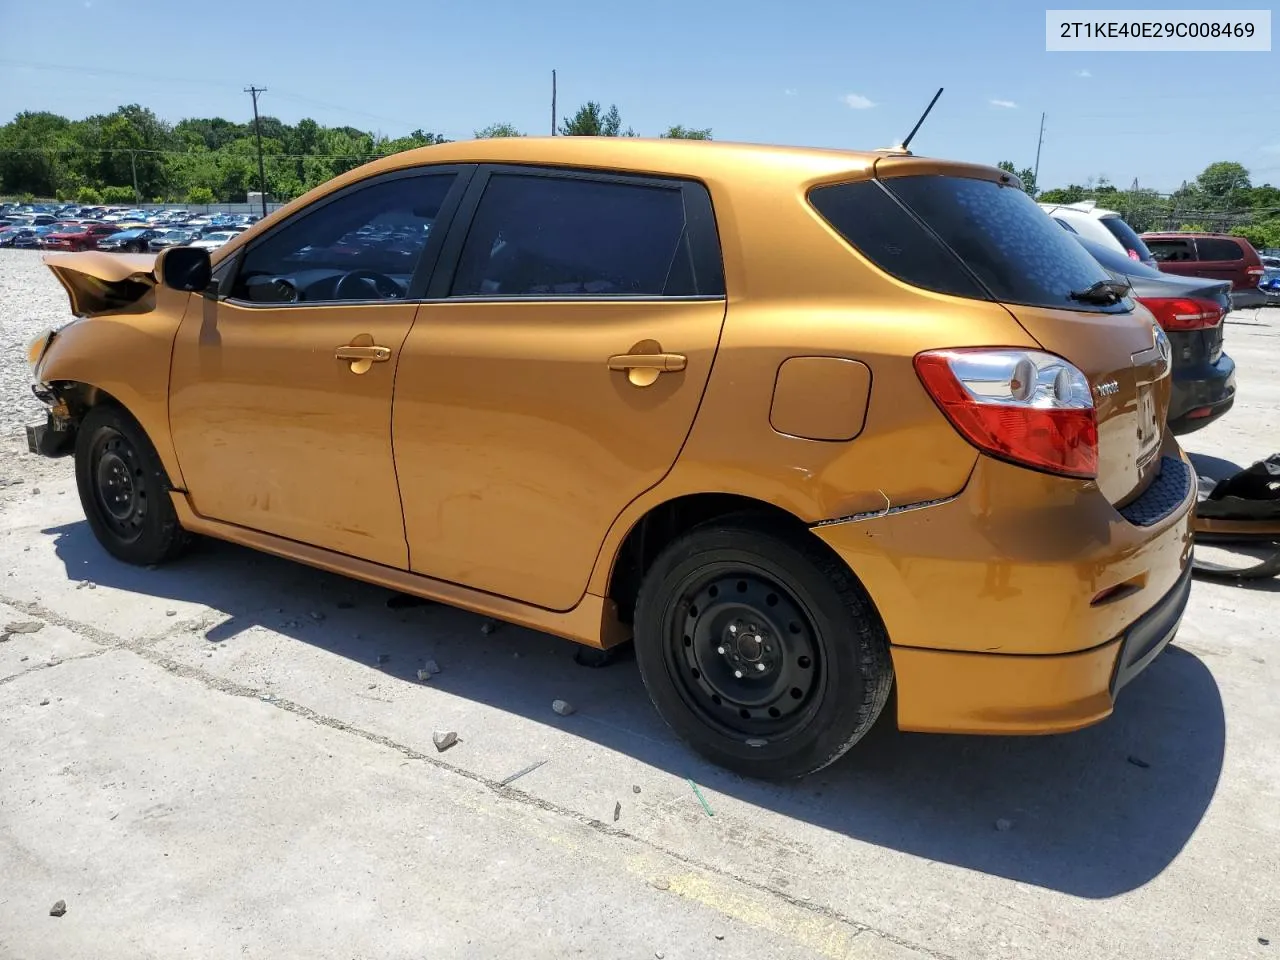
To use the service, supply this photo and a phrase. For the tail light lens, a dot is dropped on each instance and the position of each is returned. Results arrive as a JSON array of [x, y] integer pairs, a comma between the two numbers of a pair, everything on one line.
[[1133, 255], [1179, 314], [1254, 271], [1024, 406]]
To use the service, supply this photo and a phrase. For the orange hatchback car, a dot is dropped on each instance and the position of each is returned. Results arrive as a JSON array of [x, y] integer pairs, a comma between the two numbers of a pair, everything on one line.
[[808, 425]]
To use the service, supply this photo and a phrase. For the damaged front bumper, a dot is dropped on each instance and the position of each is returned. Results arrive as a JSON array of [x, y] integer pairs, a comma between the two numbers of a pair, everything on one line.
[[53, 438]]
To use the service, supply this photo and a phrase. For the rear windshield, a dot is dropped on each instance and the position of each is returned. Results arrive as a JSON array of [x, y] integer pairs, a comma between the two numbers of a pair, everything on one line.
[[1131, 242], [1117, 262], [969, 238]]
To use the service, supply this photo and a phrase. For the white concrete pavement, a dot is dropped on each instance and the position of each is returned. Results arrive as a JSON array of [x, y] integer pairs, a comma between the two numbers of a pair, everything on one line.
[[235, 759]]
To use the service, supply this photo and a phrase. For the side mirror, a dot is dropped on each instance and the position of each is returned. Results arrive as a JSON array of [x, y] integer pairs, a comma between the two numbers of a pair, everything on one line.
[[184, 268]]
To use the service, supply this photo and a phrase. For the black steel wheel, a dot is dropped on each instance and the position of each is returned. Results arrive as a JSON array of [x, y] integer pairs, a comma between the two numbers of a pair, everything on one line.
[[760, 649], [124, 490]]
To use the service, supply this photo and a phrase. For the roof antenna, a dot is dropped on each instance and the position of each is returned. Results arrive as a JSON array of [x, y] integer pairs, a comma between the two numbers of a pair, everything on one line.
[[911, 136]]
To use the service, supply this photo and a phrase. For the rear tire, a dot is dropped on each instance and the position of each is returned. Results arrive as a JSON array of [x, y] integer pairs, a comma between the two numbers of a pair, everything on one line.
[[760, 649], [124, 490]]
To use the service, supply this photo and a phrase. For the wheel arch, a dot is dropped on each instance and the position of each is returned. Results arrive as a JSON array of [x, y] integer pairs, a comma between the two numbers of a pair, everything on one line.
[[661, 523]]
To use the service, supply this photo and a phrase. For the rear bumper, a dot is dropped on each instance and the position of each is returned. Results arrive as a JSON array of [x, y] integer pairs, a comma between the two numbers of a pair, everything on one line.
[[1202, 394], [941, 692], [1247, 299], [1009, 606]]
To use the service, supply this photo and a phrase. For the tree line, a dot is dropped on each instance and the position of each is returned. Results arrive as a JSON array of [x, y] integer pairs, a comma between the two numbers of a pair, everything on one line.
[[1222, 199], [131, 155]]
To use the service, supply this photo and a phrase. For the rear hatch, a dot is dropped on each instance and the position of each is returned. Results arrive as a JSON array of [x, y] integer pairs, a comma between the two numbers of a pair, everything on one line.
[[1017, 256]]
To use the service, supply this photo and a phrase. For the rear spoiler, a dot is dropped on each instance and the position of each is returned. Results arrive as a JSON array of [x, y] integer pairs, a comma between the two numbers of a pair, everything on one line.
[[98, 282]]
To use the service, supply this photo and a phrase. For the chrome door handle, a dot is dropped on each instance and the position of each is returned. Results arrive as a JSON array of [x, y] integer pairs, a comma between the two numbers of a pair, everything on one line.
[[361, 356], [662, 362], [376, 354]]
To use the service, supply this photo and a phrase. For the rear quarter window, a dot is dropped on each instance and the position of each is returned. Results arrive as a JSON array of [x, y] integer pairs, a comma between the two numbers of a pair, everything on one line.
[[1172, 251], [1127, 237], [1215, 248], [974, 234]]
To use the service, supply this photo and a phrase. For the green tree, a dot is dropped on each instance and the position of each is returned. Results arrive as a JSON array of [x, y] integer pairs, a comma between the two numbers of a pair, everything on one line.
[[88, 195], [200, 194], [498, 130], [1026, 175], [117, 195], [591, 121], [1219, 181], [687, 133]]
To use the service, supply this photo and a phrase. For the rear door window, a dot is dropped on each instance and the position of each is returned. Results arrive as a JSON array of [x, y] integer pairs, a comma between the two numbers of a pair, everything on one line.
[[1131, 242], [1214, 248], [990, 239], [536, 235], [1172, 250]]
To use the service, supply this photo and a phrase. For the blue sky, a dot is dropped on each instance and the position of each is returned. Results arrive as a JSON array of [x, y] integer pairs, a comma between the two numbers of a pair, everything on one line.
[[821, 73]]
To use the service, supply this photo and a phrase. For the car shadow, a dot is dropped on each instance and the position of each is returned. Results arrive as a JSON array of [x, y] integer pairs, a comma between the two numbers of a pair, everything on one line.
[[1094, 813]]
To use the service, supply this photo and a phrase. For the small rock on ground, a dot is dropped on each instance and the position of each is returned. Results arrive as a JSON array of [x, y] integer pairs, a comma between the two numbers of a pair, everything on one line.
[[24, 626], [431, 667], [444, 739], [562, 707], [424, 675], [58, 909], [1002, 824], [488, 627]]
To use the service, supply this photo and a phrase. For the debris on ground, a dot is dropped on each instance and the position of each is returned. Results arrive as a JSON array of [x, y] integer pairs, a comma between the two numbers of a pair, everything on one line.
[[424, 675], [383, 657], [431, 667], [171, 613], [58, 909], [636, 788], [1139, 762], [444, 739], [701, 799], [488, 627], [44, 702], [719, 936], [317, 616], [661, 884], [35, 491], [22, 626], [562, 707], [1004, 825], [520, 773], [617, 811], [92, 585]]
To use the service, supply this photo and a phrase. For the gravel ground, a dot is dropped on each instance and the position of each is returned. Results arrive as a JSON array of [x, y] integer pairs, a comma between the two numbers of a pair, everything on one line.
[[233, 756], [31, 300]]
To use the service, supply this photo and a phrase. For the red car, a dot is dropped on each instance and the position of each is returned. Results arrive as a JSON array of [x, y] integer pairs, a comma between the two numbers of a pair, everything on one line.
[[1213, 256], [78, 236]]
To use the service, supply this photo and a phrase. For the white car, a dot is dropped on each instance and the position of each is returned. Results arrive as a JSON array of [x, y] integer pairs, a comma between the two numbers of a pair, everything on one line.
[[1088, 220], [212, 241]]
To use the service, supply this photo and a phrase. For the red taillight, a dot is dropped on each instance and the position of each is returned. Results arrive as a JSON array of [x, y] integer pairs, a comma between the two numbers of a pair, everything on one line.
[[1177, 314], [1133, 255], [1024, 406], [1254, 271]]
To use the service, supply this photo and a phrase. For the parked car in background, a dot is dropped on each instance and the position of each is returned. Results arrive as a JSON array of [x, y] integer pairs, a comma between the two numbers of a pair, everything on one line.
[[171, 238], [1191, 311], [1270, 266], [914, 459], [9, 235], [129, 241], [1215, 256], [79, 236], [215, 239], [31, 238], [1087, 219]]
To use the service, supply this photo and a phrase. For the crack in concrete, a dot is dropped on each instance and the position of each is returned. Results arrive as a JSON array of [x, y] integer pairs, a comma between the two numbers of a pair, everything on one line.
[[144, 648]]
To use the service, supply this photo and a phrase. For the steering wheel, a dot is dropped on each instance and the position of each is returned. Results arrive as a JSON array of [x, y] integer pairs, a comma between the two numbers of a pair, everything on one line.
[[358, 284]]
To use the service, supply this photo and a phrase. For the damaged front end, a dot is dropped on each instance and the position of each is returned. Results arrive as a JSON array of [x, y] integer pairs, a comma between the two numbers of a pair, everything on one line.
[[97, 284]]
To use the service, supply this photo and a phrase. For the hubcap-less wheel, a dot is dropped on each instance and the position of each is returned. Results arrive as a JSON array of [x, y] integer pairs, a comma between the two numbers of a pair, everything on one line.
[[119, 488], [744, 654]]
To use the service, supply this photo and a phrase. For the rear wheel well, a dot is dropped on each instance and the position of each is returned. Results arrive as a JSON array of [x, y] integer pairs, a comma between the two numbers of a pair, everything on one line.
[[667, 521]]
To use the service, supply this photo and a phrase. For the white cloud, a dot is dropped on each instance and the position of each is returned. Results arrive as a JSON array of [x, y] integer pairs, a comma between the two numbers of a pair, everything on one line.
[[856, 101], [789, 92], [1006, 104], [1083, 73]]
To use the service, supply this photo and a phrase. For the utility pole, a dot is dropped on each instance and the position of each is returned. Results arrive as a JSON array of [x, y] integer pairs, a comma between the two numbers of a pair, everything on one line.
[[553, 103], [1035, 173], [257, 132], [133, 165]]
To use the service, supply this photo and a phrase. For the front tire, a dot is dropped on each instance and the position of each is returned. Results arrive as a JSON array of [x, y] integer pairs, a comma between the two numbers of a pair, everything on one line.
[[124, 490], [760, 649]]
